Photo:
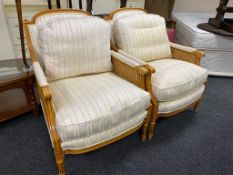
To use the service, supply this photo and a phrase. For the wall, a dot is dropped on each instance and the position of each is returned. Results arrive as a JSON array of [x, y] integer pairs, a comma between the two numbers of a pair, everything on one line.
[[6, 47], [198, 5]]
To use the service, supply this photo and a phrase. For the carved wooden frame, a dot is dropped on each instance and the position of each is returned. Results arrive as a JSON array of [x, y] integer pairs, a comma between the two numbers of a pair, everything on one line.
[[192, 57], [136, 75]]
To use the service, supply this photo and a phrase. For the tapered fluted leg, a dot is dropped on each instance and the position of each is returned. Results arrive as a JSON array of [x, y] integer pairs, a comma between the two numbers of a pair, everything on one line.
[[196, 106], [146, 124], [153, 121], [60, 163]]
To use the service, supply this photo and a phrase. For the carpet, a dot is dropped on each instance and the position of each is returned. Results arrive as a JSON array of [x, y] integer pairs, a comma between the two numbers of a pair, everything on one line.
[[187, 144]]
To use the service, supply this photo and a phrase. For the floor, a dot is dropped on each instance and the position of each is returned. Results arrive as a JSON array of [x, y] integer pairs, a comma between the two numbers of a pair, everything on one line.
[[188, 144]]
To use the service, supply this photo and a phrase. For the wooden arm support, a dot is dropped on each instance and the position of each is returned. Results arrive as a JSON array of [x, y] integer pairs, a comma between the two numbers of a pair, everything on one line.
[[46, 101], [135, 75], [45, 97], [186, 54], [129, 69]]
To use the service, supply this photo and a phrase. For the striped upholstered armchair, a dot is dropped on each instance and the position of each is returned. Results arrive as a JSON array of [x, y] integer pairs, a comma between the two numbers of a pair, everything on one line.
[[91, 96], [177, 82]]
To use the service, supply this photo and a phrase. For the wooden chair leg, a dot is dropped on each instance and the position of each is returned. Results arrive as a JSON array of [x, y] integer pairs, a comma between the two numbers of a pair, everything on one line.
[[60, 163], [146, 123], [196, 106], [59, 155], [153, 121]]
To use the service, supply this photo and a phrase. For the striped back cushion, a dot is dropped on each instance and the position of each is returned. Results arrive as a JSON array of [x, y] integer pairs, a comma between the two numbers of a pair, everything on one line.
[[42, 21], [143, 36], [76, 46], [122, 14]]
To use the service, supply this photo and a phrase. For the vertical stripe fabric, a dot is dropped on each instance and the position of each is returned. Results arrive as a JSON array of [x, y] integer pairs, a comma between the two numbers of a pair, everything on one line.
[[72, 47], [90, 104], [143, 36], [175, 78], [42, 21], [179, 103]]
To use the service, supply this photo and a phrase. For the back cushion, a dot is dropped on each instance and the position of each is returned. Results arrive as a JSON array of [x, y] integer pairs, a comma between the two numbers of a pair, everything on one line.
[[122, 14], [76, 46], [143, 36], [42, 21]]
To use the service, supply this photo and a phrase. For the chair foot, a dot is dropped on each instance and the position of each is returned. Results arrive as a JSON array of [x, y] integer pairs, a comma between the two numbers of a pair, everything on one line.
[[196, 106], [144, 132], [151, 131], [146, 123], [60, 163]]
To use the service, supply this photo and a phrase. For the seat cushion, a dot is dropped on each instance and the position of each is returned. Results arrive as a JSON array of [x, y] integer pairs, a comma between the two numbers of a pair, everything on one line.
[[105, 135], [179, 103], [91, 104], [174, 78], [142, 36], [76, 46]]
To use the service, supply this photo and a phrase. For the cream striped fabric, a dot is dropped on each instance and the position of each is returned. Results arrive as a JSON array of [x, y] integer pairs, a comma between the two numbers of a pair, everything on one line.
[[104, 135], [122, 14], [42, 21], [73, 47], [174, 78], [174, 105], [142, 36], [39, 74], [91, 104]]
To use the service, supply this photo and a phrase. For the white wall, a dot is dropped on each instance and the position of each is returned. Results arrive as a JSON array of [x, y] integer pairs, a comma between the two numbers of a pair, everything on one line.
[[198, 5], [6, 47]]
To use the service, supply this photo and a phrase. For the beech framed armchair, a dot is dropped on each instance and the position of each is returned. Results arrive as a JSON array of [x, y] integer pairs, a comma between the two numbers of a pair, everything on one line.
[[91, 96], [177, 81]]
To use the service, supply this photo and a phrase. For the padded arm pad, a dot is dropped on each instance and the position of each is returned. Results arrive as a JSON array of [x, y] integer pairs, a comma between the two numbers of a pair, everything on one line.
[[184, 48], [125, 59], [39, 74], [140, 62]]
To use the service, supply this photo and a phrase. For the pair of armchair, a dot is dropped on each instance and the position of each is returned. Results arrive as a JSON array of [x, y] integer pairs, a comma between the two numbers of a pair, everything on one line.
[[93, 96]]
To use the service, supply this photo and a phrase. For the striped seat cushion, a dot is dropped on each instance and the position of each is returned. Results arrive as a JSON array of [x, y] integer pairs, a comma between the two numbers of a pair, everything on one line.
[[180, 103], [143, 36], [76, 46], [91, 104], [174, 78], [109, 134]]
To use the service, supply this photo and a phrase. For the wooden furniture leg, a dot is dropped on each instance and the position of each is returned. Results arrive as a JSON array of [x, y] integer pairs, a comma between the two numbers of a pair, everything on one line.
[[153, 121], [123, 3], [20, 20], [196, 106], [146, 123]]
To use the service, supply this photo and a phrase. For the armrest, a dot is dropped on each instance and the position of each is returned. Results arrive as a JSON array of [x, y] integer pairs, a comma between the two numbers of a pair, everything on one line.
[[127, 59], [46, 101], [39, 74], [150, 68], [185, 53], [134, 70], [129, 69]]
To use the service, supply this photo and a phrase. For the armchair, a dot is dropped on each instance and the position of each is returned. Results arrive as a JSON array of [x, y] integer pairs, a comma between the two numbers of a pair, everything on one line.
[[176, 82], [91, 96]]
